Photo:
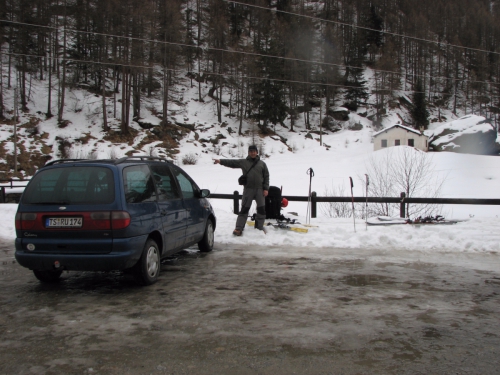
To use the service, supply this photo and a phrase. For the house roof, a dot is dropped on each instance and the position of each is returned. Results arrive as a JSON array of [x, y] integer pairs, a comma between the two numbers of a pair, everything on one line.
[[398, 126]]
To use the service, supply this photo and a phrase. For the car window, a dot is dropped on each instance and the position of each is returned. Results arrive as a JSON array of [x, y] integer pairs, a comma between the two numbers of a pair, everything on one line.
[[138, 184], [71, 185], [187, 187], [165, 183]]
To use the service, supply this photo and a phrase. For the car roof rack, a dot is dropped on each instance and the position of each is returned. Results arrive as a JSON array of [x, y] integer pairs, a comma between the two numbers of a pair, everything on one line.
[[113, 161], [60, 161], [141, 157]]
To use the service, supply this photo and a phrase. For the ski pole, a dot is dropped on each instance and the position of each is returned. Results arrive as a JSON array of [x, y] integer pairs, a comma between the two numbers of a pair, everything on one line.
[[310, 172], [352, 196], [366, 204]]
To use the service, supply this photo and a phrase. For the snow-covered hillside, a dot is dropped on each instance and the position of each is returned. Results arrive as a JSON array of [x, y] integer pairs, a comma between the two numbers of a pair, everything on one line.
[[334, 156]]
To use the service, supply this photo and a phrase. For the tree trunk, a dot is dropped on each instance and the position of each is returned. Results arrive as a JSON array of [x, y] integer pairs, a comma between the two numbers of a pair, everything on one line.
[[10, 58], [49, 72], [241, 111], [136, 94], [1, 85], [200, 98], [125, 101], [62, 91], [165, 98], [22, 83], [219, 104], [104, 109], [115, 89], [129, 96]]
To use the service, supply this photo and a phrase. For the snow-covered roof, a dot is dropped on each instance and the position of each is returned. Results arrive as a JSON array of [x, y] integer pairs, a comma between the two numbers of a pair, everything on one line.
[[464, 125], [398, 126]]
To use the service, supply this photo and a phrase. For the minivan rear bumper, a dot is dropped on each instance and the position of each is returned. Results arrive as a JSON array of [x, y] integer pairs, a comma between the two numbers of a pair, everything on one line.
[[125, 254]]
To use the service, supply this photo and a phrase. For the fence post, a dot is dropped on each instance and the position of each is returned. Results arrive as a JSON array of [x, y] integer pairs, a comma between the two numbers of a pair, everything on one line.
[[236, 202], [2, 194], [313, 204], [402, 211]]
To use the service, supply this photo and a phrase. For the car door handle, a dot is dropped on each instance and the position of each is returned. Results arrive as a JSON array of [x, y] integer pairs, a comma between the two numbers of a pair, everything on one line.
[[163, 212]]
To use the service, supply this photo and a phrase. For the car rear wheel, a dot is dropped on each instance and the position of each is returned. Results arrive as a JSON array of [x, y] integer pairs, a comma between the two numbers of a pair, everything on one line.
[[48, 276], [148, 267], [207, 242]]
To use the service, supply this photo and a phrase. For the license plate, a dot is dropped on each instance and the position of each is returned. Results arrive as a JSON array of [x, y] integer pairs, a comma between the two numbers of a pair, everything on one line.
[[64, 222]]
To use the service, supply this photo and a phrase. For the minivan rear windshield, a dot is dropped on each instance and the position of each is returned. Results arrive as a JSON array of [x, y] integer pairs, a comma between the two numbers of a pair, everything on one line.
[[71, 185]]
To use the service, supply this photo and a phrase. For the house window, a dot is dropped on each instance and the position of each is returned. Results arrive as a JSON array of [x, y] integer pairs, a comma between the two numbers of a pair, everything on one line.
[[397, 142], [384, 142], [411, 142]]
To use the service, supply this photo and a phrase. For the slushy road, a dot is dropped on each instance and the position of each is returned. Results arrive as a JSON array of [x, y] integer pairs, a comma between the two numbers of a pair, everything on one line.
[[255, 310]]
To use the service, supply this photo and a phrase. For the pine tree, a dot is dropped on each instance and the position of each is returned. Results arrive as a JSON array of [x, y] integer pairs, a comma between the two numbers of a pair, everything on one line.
[[269, 92], [419, 112], [374, 22], [271, 102], [374, 39], [356, 93]]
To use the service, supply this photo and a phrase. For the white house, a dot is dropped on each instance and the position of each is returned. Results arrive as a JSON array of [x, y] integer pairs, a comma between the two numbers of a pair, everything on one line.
[[398, 135]]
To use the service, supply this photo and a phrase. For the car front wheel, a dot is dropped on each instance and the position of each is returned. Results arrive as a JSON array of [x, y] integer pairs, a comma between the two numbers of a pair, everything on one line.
[[48, 276], [207, 242], [148, 267]]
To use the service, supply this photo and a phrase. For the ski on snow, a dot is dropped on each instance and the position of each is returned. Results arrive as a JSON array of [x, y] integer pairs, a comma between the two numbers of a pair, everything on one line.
[[280, 225], [429, 220]]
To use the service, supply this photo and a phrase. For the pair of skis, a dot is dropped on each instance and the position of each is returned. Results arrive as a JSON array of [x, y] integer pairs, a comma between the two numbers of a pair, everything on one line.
[[387, 220], [282, 225]]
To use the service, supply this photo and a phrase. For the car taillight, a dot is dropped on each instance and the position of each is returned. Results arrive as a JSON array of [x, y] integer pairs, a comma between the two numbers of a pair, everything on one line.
[[101, 220], [110, 219], [25, 220], [120, 219]]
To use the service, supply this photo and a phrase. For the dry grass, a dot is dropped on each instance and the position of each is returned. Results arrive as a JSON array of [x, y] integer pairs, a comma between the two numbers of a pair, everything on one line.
[[119, 137]]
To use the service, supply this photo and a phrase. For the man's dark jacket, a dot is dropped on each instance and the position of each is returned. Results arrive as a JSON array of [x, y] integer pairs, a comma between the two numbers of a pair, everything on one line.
[[258, 178]]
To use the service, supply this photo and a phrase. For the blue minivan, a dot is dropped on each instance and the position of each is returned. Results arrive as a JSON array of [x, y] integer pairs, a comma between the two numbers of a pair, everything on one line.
[[104, 215]]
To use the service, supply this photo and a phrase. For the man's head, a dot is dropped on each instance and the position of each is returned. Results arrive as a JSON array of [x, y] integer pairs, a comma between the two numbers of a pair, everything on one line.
[[252, 151]]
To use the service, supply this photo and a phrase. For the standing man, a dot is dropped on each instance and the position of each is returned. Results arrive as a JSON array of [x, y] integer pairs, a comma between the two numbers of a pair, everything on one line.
[[257, 187]]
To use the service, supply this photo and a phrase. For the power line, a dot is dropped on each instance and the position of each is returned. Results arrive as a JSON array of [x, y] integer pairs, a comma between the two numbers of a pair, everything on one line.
[[361, 27], [174, 70], [236, 75], [254, 54]]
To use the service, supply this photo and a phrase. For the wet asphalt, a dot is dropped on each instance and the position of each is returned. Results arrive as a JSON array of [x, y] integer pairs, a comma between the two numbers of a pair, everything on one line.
[[255, 310]]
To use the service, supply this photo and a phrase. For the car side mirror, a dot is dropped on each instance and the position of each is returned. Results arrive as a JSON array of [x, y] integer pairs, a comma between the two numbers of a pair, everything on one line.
[[205, 193]]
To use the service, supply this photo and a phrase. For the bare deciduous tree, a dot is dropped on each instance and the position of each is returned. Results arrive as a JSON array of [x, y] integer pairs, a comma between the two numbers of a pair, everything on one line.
[[404, 169], [336, 209]]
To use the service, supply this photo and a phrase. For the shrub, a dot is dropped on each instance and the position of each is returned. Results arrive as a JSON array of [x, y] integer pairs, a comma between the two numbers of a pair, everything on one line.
[[190, 159]]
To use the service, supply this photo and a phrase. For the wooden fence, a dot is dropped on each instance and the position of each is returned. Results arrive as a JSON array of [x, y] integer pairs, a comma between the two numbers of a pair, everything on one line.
[[10, 184], [402, 200], [314, 199]]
